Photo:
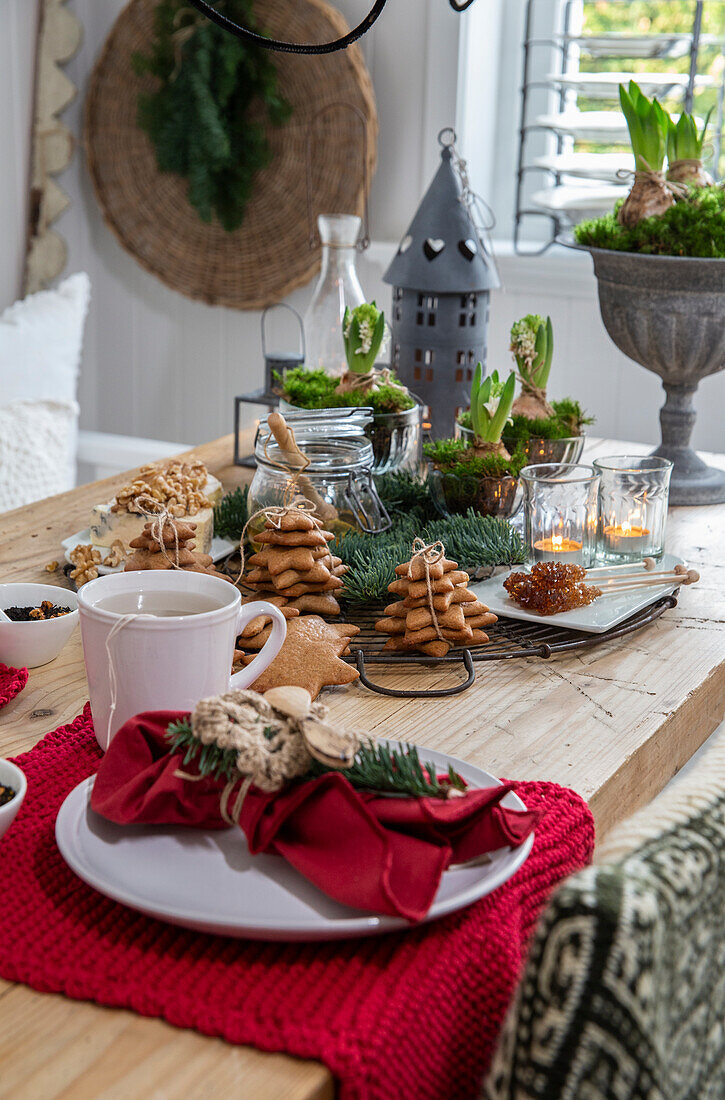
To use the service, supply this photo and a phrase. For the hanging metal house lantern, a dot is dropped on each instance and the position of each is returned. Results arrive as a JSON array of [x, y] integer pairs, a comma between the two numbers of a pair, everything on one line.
[[442, 276]]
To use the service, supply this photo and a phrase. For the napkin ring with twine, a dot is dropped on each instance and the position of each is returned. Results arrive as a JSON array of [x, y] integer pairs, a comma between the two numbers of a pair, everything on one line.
[[274, 744]]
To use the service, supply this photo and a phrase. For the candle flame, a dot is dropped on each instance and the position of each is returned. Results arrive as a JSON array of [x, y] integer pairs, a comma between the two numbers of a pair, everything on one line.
[[557, 542]]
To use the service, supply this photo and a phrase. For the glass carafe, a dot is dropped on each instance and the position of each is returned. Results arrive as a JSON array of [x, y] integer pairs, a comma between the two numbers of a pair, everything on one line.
[[337, 287]]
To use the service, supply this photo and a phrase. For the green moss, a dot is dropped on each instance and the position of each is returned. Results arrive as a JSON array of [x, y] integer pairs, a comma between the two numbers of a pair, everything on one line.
[[456, 458], [315, 389], [568, 421], [694, 226]]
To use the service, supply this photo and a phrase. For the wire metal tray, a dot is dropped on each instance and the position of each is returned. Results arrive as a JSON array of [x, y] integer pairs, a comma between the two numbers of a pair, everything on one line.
[[509, 638]]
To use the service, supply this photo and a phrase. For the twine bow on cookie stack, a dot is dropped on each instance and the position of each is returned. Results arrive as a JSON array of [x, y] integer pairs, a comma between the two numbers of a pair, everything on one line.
[[167, 543], [294, 567], [436, 611], [266, 741]]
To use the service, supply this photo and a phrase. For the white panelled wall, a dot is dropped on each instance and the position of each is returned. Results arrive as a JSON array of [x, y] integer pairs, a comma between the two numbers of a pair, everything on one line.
[[161, 366]]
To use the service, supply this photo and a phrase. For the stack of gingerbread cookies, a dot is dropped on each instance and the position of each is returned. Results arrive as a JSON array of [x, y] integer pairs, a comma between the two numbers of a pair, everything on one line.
[[435, 610], [169, 545], [295, 565]]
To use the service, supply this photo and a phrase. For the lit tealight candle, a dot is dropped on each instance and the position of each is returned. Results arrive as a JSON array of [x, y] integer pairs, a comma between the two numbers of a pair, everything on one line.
[[556, 547], [626, 538]]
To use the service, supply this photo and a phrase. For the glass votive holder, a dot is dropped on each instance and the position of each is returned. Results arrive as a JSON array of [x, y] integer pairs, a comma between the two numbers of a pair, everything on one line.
[[633, 494], [560, 512]]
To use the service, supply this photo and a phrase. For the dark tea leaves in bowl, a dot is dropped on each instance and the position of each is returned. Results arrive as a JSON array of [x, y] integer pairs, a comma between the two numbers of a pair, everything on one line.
[[46, 610], [7, 794]]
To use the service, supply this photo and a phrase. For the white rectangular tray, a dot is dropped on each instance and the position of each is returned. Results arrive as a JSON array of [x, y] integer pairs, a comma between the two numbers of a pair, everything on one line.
[[606, 611]]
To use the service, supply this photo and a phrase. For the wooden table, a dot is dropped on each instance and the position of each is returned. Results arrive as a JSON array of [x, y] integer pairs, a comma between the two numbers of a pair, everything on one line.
[[615, 723]]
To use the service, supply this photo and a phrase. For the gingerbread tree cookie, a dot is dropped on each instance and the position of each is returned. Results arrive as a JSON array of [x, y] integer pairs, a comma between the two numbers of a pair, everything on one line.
[[435, 610], [296, 565], [169, 545]]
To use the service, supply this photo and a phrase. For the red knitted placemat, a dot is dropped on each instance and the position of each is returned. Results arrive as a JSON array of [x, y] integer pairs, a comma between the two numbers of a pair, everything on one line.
[[12, 682], [406, 1016]]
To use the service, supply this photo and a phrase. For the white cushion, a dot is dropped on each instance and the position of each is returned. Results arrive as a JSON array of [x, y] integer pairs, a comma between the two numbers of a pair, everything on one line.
[[41, 338], [35, 438], [40, 343]]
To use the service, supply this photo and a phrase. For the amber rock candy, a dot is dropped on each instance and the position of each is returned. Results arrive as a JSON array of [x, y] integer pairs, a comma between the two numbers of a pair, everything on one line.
[[551, 587]]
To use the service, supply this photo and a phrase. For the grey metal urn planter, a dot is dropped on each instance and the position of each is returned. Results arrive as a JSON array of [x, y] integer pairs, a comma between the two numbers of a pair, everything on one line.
[[668, 314]]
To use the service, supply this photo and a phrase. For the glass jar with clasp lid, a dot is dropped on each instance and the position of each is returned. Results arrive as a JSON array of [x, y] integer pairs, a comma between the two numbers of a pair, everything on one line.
[[337, 478]]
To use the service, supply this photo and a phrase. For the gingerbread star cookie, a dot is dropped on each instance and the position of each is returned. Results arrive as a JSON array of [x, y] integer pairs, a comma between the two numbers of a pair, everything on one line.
[[310, 657]]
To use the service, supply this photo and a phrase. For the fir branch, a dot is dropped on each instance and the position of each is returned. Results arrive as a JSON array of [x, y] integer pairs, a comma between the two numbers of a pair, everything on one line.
[[201, 117], [470, 539], [376, 767], [230, 514]]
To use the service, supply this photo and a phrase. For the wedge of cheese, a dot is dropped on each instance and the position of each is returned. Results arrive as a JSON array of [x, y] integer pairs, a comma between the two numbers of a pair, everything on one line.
[[105, 525]]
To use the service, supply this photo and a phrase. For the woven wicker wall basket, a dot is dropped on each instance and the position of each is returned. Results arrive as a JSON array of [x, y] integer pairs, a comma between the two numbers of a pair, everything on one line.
[[270, 254]]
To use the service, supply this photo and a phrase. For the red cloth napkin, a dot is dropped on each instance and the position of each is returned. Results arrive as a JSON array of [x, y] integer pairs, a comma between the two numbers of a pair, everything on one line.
[[413, 1015], [12, 682], [380, 854]]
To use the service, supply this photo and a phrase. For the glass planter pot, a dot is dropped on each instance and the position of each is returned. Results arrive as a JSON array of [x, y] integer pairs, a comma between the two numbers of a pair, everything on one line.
[[396, 438], [338, 480], [488, 496], [537, 449], [633, 498], [560, 512]]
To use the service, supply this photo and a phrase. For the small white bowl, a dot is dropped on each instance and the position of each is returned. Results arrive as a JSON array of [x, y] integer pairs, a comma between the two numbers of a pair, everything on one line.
[[11, 776], [27, 645]]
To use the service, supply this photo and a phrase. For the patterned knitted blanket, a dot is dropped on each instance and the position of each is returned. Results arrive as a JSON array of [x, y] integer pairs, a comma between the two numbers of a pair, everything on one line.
[[411, 1015], [623, 996]]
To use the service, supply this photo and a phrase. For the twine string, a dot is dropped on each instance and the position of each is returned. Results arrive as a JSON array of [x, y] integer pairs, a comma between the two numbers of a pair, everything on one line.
[[352, 382], [270, 746], [120, 624], [677, 190], [429, 555], [159, 521], [300, 505]]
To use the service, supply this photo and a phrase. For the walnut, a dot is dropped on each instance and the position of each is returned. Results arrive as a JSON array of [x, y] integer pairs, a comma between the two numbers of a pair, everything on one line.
[[86, 560], [116, 554], [176, 485], [51, 567]]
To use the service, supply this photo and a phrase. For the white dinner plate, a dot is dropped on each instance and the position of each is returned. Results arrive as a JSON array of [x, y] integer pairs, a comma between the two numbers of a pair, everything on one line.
[[606, 85], [603, 614], [607, 127], [594, 166], [634, 46], [219, 549], [207, 880], [579, 202]]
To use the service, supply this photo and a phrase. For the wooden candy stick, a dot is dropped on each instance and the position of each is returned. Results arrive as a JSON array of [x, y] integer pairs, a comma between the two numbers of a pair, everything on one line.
[[297, 460]]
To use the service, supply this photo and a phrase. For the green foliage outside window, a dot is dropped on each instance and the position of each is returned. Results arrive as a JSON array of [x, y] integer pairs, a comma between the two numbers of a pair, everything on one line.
[[642, 17]]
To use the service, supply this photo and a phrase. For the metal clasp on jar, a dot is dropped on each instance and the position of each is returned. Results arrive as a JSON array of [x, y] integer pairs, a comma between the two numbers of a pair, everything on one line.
[[371, 519]]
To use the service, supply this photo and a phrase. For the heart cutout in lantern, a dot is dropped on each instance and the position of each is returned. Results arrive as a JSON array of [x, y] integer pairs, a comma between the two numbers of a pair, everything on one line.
[[405, 244], [432, 247], [468, 248]]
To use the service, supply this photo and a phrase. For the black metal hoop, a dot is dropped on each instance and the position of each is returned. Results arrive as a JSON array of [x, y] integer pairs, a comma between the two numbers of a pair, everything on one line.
[[342, 43], [255, 39]]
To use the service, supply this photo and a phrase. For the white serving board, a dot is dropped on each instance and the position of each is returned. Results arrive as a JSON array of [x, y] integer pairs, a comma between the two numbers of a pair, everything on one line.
[[207, 880], [219, 549], [606, 612]]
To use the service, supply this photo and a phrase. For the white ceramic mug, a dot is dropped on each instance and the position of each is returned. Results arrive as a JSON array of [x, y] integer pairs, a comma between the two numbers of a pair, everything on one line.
[[163, 640]]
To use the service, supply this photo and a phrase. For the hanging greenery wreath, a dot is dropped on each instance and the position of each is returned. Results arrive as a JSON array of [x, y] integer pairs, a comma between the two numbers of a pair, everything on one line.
[[206, 119]]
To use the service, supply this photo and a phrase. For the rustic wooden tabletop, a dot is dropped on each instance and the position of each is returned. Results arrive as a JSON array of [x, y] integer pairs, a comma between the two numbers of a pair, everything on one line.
[[615, 723]]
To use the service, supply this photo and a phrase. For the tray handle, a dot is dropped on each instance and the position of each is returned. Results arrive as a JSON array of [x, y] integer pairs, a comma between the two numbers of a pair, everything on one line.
[[435, 693]]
